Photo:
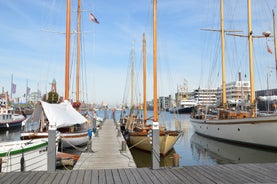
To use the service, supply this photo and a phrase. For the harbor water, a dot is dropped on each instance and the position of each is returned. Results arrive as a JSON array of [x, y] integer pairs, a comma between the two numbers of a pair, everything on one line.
[[192, 148]]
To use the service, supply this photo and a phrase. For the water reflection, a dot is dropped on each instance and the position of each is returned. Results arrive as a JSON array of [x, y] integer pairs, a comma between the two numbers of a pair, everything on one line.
[[143, 158], [204, 148], [10, 135]]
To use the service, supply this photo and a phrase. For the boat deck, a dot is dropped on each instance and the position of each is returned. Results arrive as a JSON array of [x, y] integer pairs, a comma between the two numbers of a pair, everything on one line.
[[107, 150], [231, 173]]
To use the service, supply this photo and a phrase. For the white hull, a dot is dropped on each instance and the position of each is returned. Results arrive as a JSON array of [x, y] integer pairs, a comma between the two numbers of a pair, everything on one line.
[[67, 139], [260, 131], [35, 155], [74, 139]]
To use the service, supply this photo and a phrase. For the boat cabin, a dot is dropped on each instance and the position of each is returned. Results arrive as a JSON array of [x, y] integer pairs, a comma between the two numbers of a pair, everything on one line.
[[229, 114]]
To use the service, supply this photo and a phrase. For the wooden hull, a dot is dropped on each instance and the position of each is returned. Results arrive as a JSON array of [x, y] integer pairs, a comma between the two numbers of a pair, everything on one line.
[[34, 152], [142, 142], [259, 131]]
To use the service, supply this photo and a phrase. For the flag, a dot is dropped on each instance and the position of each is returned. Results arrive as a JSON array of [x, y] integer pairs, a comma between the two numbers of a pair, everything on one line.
[[28, 91], [268, 49], [13, 88], [92, 18]]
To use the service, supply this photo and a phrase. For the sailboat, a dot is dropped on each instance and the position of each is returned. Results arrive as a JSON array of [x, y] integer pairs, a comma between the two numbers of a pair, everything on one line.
[[238, 126], [138, 131], [71, 124]]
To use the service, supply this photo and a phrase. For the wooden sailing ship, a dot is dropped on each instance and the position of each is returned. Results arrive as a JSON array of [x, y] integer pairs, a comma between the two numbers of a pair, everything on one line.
[[74, 131], [138, 130], [238, 126]]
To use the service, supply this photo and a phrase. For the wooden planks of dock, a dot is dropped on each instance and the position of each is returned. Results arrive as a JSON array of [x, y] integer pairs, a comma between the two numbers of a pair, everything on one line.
[[107, 150], [236, 173]]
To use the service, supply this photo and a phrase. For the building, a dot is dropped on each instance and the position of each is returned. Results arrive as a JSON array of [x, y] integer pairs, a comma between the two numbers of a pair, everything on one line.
[[206, 96], [34, 97], [164, 102], [238, 90]]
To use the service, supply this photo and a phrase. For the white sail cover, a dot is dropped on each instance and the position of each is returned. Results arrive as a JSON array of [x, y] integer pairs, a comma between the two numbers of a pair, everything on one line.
[[62, 115]]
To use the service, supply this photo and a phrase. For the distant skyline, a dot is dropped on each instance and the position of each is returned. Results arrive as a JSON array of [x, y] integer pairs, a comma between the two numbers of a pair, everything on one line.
[[33, 46]]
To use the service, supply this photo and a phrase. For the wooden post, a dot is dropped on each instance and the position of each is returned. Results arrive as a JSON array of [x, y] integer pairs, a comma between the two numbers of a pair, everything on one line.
[[176, 158], [96, 133], [123, 146]]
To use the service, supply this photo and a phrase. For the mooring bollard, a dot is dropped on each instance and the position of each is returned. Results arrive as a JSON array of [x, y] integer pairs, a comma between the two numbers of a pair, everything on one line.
[[96, 133], [118, 132], [123, 146], [176, 159]]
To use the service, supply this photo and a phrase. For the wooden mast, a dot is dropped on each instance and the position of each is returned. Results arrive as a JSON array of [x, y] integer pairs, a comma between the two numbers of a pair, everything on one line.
[[67, 51], [223, 55], [155, 127], [155, 60], [144, 79], [78, 52], [251, 68]]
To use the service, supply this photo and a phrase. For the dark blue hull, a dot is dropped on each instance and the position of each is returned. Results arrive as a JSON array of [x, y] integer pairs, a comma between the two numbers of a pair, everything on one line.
[[14, 124], [184, 110]]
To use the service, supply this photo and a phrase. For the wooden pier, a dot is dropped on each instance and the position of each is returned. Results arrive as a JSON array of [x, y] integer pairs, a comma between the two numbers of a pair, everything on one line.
[[231, 173], [109, 164], [107, 150]]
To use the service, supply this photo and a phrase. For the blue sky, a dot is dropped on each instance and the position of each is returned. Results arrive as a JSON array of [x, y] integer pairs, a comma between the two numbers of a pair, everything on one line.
[[29, 52]]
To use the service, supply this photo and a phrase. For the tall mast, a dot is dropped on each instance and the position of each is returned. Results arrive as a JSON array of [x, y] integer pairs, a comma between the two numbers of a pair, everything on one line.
[[155, 128], [132, 76], [144, 79], [223, 54], [155, 60], [78, 52], [275, 48], [12, 86], [67, 51], [251, 68]]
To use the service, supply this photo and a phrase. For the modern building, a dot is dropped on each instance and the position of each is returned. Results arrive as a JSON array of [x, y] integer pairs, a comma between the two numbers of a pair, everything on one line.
[[164, 102], [206, 96], [238, 90]]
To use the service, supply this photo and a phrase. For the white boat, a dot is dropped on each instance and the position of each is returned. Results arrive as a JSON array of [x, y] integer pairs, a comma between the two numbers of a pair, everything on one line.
[[27, 155], [186, 106], [71, 124], [8, 118], [238, 126], [259, 131]]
